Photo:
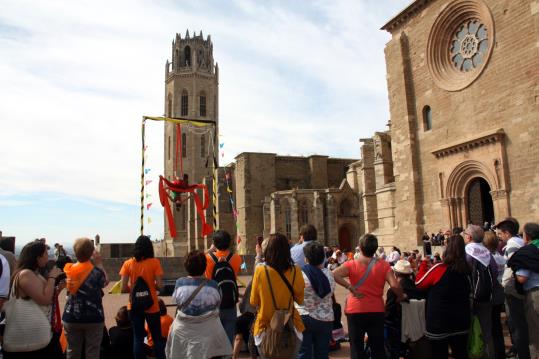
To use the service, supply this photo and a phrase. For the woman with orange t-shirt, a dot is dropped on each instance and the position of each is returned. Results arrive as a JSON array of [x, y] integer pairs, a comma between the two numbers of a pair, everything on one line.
[[365, 303], [143, 264]]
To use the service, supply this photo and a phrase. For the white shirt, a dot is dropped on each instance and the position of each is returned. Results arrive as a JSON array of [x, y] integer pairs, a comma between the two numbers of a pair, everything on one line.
[[393, 257], [5, 278], [314, 306], [508, 281]]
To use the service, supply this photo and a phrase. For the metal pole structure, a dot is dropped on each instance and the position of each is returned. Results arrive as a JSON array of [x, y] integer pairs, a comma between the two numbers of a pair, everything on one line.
[[142, 180]]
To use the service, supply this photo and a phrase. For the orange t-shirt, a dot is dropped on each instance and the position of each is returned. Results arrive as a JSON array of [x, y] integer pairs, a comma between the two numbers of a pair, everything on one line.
[[235, 262], [166, 322], [372, 288], [148, 269]]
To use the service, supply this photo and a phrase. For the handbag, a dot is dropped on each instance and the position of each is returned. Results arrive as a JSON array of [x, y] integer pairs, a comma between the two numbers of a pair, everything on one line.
[[27, 324], [280, 340], [476, 345], [192, 296]]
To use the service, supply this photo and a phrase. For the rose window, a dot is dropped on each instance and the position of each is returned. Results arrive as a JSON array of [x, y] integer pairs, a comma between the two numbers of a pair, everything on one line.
[[469, 46], [460, 44]]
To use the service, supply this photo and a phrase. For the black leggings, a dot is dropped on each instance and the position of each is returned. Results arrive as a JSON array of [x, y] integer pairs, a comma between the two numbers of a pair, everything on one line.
[[458, 344], [373, 325]]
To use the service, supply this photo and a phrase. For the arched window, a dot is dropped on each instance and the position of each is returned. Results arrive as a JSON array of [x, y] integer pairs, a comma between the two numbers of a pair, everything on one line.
[[184, 145], [202, 104], [185, 103], [288, 222], [427, 118], [169, 147], [187, 56], [303, 213], [176, 59], [203, 146]]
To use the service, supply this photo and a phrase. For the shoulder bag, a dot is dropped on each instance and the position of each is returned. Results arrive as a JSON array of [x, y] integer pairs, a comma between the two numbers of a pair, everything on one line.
[[361, 280], [192, 296], [280, 339], [27, 323]]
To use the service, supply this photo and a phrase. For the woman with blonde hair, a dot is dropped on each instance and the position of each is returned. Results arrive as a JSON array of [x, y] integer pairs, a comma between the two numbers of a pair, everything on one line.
[[84, 317]]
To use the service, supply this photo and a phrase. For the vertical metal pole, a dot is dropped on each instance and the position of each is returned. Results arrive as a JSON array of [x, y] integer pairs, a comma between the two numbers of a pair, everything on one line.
[[142, 180]]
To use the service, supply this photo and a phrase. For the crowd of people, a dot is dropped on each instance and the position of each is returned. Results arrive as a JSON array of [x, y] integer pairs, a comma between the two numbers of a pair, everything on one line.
[[434, 304]]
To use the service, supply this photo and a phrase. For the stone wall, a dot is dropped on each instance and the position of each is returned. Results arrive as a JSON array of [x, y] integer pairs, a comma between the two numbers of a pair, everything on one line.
[[487, 129], [172, 267]]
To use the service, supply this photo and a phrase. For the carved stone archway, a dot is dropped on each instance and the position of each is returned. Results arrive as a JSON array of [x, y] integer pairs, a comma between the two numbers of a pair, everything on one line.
[[455, 205]]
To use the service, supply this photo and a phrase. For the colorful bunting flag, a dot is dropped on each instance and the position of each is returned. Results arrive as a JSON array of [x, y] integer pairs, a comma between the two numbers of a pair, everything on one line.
[[243, 266], [149, 220], [148, 195], [146, 170], [221, 145], [148, 182], [148, 206]]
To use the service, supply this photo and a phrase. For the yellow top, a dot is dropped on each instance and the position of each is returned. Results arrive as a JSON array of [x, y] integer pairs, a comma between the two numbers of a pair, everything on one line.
[[261, 296]]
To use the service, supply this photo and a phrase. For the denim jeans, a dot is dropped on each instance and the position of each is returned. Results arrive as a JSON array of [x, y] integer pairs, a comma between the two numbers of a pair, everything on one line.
[[228, 320], [316, 338], [154, 324]]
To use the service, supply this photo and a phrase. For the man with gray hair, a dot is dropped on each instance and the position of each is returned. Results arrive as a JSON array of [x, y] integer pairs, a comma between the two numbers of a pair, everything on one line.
[[484, 273]]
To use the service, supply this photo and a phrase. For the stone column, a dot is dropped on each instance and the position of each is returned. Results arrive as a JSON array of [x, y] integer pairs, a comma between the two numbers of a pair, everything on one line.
[[332, 235], [294, 232], [318, 220], [275, 210], [266, 209]]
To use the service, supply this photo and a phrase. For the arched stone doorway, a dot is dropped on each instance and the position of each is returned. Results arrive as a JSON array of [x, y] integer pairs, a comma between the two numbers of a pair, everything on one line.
[[345, 239], [474, 194], [479, 202]]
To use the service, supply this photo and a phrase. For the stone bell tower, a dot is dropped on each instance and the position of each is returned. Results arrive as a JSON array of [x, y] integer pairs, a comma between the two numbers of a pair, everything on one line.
[[191, 92]]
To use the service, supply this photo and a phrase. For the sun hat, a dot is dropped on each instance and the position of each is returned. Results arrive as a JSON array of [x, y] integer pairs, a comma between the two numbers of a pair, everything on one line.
[[403, 266]]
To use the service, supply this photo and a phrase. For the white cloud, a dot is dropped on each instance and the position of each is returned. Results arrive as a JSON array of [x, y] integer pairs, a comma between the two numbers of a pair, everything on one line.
[[78, 76]]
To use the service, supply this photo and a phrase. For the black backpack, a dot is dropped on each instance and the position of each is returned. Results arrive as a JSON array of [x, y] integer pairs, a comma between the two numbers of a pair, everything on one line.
[[225, 277], [482, 282], [141, 297]]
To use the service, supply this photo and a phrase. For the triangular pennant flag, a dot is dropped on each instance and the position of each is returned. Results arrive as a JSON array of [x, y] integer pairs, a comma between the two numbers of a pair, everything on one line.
[[116, 288], [243, 266], [239, 239], [228, 189], [146, 170], [145, 147], [148, 206], [221, 145], [149, 220], [148, 195], [148, 182]]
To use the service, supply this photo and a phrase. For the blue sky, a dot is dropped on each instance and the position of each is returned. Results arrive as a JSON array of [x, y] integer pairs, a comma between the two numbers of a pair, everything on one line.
[[296, 77]]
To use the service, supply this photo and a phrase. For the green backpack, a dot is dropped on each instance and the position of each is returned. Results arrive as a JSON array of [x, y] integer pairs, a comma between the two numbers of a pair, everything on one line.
[[476, 346]]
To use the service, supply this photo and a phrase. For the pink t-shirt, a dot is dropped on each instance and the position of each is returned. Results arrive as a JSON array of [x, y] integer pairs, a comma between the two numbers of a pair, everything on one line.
[[372, 288]]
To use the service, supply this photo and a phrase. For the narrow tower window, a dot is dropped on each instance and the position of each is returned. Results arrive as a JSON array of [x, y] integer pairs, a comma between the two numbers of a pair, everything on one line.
[[203, 146], [184, 145], [185, 99], [187, 56], [427, 118], [169, 147], [169, 107], [202, 105]]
